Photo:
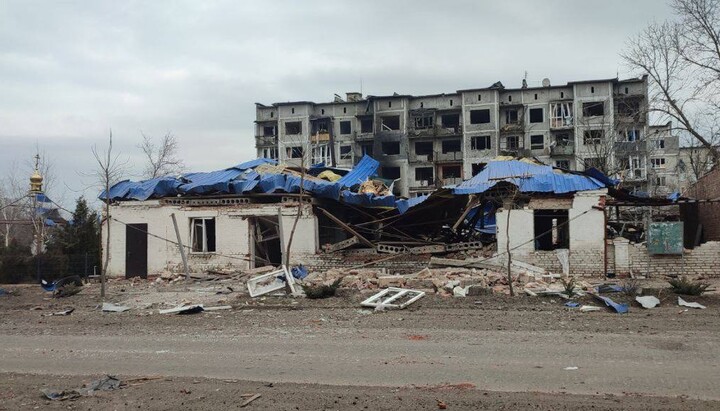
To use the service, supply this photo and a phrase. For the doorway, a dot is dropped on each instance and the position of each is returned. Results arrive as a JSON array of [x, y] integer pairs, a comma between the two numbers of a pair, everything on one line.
[[136, 250]]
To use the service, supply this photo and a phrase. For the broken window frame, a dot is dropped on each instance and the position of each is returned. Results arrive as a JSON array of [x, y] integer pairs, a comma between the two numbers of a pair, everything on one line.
[[660, 144], [345, 152], [658, 162], [504, 140], [199, 227], [293, 152], [593, 109], [660, 181], [454, 170], [366, 125], [454, 124], [269, 131], [558, 235], [366, 149], [593, 137], [636, 167], [392, 126], [476, 140], [424, 145], [293, 128], [563, 164], [561, 115], [512, 116], [424, 121], [480, 116], [345, 127], [389, 173], [320, 154], [536, 120], [451, 146], [536, 145], [386, 145], [632, 134], [421, 174], [270, 152]]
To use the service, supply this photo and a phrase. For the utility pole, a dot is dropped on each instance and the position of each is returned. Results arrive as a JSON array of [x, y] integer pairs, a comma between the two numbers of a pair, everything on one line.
[[36, 181]]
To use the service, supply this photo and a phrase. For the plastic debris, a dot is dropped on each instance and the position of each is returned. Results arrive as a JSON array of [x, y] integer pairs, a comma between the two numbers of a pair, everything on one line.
[[588, 308], [691, 305], [106, 383], [648, 301], [299, 272], [184, 309], [571, 368], [66, 312], [572, 304], [619, 308], [114, 308]]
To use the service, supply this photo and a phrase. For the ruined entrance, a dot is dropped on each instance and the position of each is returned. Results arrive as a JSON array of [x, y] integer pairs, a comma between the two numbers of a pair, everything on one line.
[[136, 250], [265, 241]]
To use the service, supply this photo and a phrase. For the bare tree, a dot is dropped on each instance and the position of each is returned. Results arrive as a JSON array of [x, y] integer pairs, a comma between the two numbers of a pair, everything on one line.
[[110, 169], [682, 59], [161, 159]]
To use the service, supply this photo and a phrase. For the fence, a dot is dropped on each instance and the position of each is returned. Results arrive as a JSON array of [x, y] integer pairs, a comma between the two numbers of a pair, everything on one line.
[[22, 268]]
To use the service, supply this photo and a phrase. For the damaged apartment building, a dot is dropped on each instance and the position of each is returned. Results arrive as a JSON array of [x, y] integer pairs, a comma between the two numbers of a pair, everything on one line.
[[432, 141]]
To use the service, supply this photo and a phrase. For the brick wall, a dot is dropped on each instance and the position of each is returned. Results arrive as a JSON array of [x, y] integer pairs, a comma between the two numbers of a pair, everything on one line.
[[405, 264], [702, 260], [706, 188]]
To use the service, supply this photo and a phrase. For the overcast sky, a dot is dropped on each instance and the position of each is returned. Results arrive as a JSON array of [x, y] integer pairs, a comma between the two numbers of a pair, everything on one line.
[[72, 70]]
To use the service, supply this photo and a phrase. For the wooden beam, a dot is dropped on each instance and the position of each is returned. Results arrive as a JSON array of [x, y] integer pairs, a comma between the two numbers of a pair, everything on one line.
[[347, 228]]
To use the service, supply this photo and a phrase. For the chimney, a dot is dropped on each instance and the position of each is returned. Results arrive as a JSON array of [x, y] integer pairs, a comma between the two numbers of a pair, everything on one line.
[[353, 96]]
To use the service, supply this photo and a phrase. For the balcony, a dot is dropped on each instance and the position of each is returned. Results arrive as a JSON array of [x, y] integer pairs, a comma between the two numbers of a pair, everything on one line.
[[561, 122], [321, 137], [450, 156], [265, 140], [629, 147], [435, 131], [421, 158], [562, 150], [451, 181]]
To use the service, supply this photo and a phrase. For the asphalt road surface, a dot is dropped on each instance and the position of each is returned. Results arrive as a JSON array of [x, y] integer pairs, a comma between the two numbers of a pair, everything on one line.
[[684, 364]]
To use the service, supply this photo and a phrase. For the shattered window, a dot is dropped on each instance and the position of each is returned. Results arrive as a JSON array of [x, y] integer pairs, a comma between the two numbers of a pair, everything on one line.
[[452, 172], [537, 142], [423, 122], [564, 164], [451, 146], [480, 143], [424, 174], [366, 125], [203, 234], [537, 115], [480, 116], [270, 152], [268, 131], [511, 117], [391, 148], [423, 148], [345, 152], [591, 137], [510, 143], [295, 152], [293, 127], [390, 123], [366, 149], [594, 109], [345, 127]]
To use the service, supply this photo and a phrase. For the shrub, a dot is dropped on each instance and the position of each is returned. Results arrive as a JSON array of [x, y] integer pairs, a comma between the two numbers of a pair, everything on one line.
[[685, 286]]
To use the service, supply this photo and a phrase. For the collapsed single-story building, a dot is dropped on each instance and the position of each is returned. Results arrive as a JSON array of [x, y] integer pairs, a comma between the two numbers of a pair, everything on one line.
[[245, 216]]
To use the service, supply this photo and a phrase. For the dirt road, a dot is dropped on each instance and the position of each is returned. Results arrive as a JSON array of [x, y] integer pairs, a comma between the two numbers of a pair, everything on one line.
[[522, 348]]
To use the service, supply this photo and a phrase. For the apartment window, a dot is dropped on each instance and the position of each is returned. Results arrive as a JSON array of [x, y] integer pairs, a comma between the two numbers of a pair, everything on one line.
[[389, 104], [452, 172], [293, 127], [392, 173], [424, 174], [509, 98], [269, 131], [366, 149], [562, 95], [424, 121], [451, 102], [423, 148], [321, 154], [509, 143], [344, 110], [511, 117], [294, 152], [480, 116], [626, 90], [390, 123], [563, 139], [593, 109], [322, 111], [391, 148], [537, 142], [480, 143], [292, 110], [272, 114], [479, 97], [660, 144], [632, 134], [202, 232], [564, 164], [366, 125], [657, 162], [270, 152], [552, 229], [536, 115], [592, 89], [451, 121], [561, 115], [629, 107], [451, 146], [660, 181], [591, 137], [321, 126], [345, 127], [535, 96], [345, 152]]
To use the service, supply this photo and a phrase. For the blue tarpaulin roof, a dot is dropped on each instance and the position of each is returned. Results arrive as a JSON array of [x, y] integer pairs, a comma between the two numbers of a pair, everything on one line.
[[528, 178]]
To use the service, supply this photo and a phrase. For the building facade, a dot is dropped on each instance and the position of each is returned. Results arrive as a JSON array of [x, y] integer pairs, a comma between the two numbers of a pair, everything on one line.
[[426, 142]]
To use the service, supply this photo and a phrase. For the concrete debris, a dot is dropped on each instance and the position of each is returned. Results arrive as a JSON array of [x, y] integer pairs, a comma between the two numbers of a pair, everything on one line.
[[648, 301], [219, 307], [690, 305], [110, 307], [68, 312], [106, 383], [589, 308]]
